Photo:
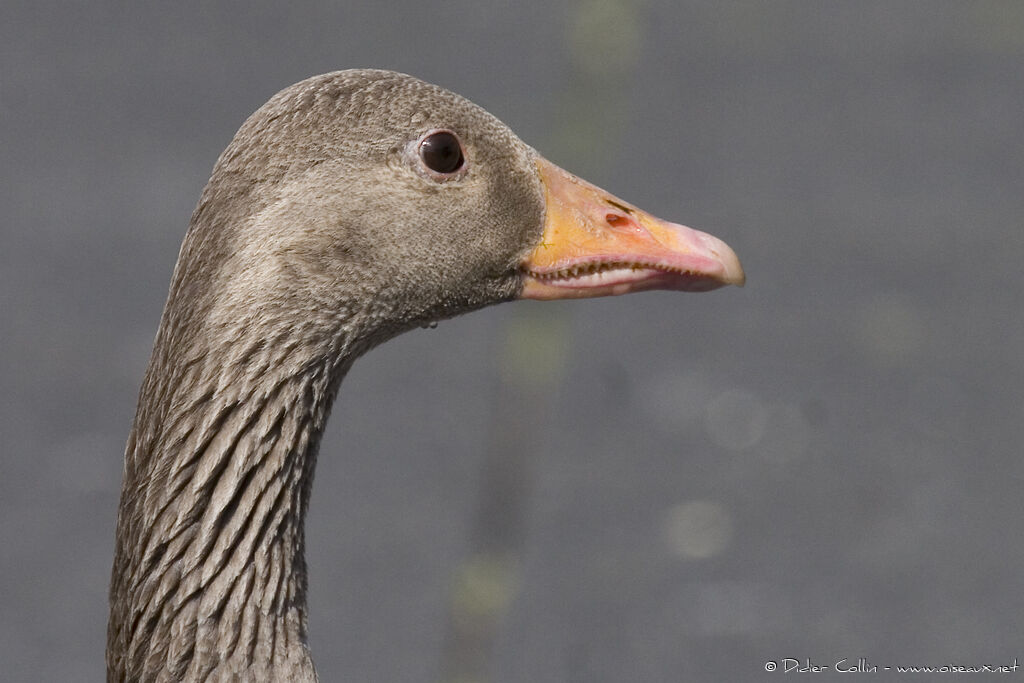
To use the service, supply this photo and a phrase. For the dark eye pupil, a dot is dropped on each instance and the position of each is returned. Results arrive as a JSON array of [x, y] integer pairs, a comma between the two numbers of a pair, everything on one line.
[[441, 152]]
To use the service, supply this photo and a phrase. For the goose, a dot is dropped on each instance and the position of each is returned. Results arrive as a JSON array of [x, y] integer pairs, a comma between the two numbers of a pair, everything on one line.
[[351, 207]]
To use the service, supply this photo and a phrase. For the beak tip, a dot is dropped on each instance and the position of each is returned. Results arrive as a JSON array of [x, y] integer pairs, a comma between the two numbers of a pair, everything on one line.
[[732, 269], [737, 277]]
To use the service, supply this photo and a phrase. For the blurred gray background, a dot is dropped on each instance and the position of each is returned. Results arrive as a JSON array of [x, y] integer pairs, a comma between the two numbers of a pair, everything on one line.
[[664, 487]]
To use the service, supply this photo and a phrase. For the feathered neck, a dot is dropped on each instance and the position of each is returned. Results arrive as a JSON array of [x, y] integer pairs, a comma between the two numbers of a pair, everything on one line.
[[209, 574]]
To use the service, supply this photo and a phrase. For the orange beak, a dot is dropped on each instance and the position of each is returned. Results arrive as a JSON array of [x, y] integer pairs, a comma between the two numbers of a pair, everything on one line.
[[595, 244]]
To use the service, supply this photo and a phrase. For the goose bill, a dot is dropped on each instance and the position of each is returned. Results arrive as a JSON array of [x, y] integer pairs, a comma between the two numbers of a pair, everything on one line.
[[595, 244]]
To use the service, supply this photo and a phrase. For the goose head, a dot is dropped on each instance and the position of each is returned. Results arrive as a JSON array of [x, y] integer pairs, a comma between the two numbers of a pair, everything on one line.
[[373, 200]]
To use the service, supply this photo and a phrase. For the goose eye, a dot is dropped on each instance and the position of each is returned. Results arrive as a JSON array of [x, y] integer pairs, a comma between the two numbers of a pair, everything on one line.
[[441, 152]]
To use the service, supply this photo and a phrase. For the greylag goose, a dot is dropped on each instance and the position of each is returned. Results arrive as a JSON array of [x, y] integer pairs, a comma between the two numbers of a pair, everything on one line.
[[349, 208]]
